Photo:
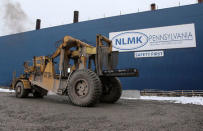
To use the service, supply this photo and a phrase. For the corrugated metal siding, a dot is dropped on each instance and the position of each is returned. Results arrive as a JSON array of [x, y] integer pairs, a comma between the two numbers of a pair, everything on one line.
[[178, 69]]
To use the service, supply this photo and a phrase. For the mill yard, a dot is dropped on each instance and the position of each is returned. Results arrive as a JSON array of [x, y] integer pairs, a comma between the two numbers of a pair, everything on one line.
[[55, 113]]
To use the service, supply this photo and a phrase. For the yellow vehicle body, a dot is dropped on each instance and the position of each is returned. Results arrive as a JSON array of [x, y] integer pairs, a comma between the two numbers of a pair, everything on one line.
[[82, 80]]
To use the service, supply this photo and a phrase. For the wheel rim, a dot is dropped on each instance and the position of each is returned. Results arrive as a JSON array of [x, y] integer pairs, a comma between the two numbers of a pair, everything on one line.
[[81, 88], [18, 90]]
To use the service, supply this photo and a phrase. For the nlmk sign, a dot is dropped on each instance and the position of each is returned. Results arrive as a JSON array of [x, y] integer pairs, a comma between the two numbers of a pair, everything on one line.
[[178, 36], [129, 40]]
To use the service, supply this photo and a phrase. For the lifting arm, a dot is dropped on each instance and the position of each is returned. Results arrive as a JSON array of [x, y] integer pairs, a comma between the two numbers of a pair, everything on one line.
[[69, 42]]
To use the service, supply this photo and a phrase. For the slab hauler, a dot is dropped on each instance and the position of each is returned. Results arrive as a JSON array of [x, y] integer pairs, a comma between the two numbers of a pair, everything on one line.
[[86, 75]]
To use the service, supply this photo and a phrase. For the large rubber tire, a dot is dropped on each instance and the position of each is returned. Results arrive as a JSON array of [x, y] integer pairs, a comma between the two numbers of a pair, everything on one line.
[[84, 88], [112, 89], [20, 91]]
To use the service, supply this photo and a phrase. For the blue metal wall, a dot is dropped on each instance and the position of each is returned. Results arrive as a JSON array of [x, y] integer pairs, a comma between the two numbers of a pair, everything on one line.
[[178, 69]]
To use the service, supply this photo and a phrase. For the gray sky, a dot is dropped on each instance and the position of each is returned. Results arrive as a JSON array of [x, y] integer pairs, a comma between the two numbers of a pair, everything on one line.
[[59, 12]]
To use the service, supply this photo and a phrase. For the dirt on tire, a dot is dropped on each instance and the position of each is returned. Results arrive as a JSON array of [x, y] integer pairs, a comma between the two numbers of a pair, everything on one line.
[[53, 113], [84, 88]]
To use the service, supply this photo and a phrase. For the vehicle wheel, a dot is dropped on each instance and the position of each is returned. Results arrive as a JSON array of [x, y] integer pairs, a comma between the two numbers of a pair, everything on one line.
[[37, 95], [112, 89], [20, 91], [84, 88]]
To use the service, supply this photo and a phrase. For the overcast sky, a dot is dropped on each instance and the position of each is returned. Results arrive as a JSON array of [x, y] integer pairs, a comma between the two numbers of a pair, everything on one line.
[[59, 12]]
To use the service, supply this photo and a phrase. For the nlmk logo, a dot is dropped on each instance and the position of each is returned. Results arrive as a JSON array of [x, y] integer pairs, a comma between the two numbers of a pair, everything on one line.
[[129, 40]]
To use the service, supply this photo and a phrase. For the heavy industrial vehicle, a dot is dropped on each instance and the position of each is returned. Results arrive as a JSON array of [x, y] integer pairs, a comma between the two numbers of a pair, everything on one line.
[[86, 74]]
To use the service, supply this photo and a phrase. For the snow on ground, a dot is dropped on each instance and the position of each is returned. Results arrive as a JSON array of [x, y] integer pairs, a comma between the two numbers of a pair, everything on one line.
[[183, 100], [51, 93], [6, 90]]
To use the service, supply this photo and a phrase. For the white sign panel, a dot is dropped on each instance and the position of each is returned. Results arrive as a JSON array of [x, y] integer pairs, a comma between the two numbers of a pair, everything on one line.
[[178, 36], [149, 54]]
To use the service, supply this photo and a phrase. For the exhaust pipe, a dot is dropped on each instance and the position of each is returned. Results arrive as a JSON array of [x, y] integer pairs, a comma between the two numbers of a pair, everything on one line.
[[76, 16], [38, 24], [153, 6], [200, 1]]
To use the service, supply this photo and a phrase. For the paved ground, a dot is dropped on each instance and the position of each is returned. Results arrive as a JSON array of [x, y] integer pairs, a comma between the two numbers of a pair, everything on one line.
[[54, 114]]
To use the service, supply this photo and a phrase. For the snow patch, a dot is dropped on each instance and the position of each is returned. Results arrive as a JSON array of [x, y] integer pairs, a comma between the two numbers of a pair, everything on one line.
[[183, 100], [6, 90], [51, 93]]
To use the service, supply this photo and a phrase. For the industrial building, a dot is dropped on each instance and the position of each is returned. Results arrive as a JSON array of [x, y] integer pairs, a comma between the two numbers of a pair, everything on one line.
[[164, 45]]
